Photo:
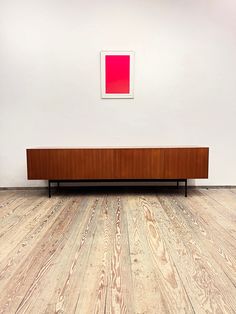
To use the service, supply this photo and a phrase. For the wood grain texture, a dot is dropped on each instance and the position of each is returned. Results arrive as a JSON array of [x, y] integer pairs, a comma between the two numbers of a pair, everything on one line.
[[70, 164], [118, 252], [117, 163]]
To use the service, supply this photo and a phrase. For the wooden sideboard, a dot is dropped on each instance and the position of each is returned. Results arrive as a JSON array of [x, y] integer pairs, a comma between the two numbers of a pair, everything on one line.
[[117, 164]]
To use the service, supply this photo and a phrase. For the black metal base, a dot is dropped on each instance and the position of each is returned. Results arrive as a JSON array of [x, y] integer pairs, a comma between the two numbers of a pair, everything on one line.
[[120, 180]]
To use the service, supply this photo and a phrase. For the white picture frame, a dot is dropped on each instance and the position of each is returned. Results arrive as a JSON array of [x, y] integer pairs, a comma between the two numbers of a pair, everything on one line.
[[104, 92]]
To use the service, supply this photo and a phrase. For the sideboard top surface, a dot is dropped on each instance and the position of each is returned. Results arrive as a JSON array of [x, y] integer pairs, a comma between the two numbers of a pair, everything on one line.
[[121, 147]]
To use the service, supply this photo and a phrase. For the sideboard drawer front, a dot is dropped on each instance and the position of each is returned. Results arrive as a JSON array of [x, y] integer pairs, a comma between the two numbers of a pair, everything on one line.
[[139, 164], [70, 164], [190, 163]]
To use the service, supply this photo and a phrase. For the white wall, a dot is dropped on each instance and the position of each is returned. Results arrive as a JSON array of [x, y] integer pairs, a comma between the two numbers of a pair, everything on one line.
[[185, 78]]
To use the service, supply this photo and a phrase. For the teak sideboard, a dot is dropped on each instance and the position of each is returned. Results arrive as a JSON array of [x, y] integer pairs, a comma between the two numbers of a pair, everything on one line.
[[117, 164]]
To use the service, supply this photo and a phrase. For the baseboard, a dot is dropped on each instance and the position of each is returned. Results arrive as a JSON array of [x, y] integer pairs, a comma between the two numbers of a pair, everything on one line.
[[24, 188], [146, 186]]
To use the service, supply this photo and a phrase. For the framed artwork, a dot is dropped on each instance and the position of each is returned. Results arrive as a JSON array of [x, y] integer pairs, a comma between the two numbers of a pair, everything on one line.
[[117, 74]]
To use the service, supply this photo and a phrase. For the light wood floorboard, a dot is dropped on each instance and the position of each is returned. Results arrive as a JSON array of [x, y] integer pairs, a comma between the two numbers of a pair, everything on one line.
[[118, 252]]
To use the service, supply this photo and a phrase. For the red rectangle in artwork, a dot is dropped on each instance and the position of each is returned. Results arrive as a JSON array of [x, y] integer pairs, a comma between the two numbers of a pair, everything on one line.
[[117, 74]]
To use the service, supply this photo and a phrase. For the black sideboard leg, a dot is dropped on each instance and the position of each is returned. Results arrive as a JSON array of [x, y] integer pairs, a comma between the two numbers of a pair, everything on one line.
[[49, 188], [58, 186], [186, 187], [177, 184]]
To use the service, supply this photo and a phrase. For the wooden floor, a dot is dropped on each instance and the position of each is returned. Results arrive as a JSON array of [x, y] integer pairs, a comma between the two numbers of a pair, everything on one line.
[[127, 252]]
